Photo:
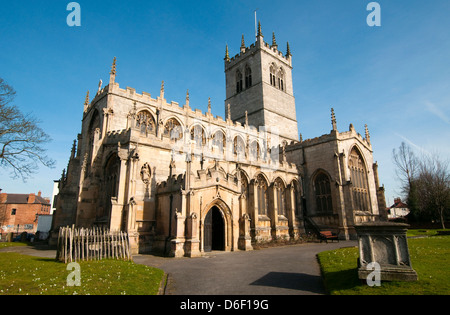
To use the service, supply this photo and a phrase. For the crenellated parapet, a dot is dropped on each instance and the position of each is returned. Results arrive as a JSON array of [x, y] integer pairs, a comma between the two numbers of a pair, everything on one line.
[[271, 49]]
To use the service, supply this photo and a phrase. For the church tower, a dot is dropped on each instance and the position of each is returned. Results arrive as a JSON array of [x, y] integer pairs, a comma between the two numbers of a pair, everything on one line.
[[259, 86]]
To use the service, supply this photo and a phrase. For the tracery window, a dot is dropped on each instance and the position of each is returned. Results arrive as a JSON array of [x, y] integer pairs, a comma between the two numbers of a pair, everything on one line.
[[173, 130], [323, 194], [198, 135], [219, 142], [239, 148], [280, 195], [281, 79], [277, 77], [255, 151], [272, 75], [261, 188], [360, 188], [146, 123]]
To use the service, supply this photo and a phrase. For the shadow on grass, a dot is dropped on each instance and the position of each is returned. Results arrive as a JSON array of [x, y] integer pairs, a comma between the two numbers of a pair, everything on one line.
[[341, 280]]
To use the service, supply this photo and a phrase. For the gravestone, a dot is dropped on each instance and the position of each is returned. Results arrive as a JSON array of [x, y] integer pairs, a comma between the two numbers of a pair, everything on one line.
[[385, 243]]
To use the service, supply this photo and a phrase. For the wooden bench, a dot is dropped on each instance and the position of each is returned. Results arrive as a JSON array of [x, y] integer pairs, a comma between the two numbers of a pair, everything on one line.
[[328, 235]]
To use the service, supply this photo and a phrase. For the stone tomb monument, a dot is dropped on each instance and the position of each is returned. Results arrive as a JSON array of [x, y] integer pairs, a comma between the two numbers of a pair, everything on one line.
[[385, 243]]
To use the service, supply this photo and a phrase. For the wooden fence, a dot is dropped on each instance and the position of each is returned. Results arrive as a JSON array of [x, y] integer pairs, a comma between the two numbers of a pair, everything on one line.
[[91, 244]]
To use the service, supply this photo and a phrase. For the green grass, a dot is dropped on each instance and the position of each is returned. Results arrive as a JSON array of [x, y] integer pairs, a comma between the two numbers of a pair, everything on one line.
[[23, 275], [430, 258], [424, 232]]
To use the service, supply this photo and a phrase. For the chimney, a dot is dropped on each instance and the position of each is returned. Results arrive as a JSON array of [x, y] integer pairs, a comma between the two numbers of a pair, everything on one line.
[[397, 200], [31, 198], [3, 197], [40, 193]]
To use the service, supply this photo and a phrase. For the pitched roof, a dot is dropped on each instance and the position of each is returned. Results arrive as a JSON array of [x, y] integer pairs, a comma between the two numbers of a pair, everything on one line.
[[23, 199], [399, 204]]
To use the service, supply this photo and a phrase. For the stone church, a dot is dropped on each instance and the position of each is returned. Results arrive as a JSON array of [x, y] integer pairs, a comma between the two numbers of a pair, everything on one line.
[[183, 182]]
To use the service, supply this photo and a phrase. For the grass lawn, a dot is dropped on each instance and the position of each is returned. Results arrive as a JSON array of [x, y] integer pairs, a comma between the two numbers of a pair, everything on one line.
[[425, 232], [22, 275], [430, 258]]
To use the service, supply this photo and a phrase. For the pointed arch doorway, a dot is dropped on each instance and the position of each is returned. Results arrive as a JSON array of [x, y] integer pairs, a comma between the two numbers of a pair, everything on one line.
[[214, 230]]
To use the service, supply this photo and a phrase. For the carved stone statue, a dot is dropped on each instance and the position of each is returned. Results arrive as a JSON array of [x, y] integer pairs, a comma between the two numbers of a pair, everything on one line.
[[146, 173]]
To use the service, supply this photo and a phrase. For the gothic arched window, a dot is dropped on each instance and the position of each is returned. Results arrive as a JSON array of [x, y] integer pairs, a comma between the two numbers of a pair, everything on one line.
[[238, 81], [239, 148], [281, 80], [360, 187], [146, 123], [255, 151], [198, 135], [280, 196], [322, 190], [219, 142], [261, 189], [273, 78], [173, 130], [248, 77]]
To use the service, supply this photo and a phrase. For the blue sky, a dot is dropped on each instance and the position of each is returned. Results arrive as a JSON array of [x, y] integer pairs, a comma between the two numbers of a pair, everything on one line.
[[395, 78]]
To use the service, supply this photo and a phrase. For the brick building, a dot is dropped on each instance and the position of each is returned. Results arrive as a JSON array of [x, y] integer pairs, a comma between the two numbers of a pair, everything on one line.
[[19, 212]]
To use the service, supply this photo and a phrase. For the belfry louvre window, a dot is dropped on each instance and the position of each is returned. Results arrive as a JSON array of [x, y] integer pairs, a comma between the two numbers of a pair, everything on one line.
[[238, 81], [360, 187], [248, 77], [322, 189], [273, 78], [281, 79]]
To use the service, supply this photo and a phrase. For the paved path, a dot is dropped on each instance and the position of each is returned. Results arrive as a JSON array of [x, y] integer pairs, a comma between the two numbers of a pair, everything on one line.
[[288, 270], [37, 251]]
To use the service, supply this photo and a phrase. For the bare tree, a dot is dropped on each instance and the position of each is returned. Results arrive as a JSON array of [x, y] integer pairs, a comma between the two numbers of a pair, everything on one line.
[[425, 182], [433, 187], [21, 138], [407, 166]]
